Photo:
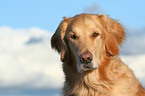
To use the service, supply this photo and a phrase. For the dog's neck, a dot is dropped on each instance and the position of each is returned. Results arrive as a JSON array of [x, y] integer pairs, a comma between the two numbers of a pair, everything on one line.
[[90, 84]]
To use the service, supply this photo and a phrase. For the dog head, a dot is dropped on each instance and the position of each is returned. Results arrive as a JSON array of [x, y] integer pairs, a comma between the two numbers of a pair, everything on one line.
[[86, 38]]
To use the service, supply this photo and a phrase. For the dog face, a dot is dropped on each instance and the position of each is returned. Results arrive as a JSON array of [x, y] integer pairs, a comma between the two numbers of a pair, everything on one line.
[[86, 38]]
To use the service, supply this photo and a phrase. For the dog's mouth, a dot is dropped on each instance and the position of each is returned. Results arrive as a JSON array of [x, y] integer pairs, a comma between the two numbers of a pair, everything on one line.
[[87, 67]]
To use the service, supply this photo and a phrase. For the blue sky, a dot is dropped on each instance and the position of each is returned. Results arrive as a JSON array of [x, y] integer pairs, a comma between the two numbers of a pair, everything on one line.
[[47, 14], [27, 61], [26, 27]]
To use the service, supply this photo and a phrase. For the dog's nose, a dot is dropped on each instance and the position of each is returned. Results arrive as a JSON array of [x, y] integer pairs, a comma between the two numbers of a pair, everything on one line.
[[86, 57]]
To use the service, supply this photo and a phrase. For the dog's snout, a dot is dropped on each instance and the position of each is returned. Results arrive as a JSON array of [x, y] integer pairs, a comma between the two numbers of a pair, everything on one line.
[[86, 57]]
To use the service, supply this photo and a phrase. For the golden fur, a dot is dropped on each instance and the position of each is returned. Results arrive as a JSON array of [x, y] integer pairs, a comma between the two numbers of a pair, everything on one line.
[[110, 76]]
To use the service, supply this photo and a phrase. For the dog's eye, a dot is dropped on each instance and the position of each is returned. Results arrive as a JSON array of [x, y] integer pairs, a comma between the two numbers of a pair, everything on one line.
[[73, 36], [95, 34]]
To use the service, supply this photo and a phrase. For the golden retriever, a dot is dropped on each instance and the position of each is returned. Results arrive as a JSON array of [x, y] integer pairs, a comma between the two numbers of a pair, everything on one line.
[[88, 45]]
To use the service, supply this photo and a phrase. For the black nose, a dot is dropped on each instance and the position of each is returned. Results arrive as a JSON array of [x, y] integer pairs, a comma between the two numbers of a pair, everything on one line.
[[86, 57]]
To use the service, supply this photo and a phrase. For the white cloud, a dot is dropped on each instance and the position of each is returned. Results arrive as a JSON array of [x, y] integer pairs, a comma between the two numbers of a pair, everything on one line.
[[93, 9], [135, 42], [32, 66], [36, 65]]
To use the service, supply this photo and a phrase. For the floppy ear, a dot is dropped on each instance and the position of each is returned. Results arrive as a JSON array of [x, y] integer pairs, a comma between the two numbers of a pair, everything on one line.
[[111, 45], [113, 27], [57, 40], [114, 33]]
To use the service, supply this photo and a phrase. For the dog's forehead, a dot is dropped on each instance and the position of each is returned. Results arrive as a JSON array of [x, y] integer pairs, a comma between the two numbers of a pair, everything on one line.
[[84, 22]]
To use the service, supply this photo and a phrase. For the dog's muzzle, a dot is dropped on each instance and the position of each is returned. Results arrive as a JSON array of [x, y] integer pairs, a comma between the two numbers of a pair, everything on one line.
[[86, 61]]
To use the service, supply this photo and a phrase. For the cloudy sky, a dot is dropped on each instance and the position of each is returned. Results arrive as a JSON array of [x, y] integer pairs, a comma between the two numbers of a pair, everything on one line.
[[28, 65]]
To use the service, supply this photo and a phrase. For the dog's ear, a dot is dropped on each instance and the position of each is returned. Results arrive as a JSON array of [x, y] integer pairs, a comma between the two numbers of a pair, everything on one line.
[[57, 40], [113, 27], [114, 34], [111, 45]]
